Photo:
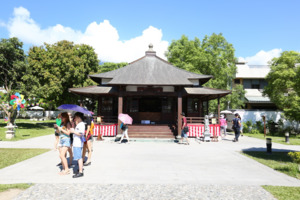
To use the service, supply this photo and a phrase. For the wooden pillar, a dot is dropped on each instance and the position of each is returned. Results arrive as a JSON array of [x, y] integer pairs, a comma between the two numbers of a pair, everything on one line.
[[218, 121], [120, 110], [179, 111], [99, 106], [207, 103]]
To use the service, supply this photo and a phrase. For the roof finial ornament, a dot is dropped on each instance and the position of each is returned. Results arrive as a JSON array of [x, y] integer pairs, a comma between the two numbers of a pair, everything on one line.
[[150, 47], [150, 52]]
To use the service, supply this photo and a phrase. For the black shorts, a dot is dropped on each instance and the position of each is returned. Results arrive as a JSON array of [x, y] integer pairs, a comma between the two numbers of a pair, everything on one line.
[[71, 138]]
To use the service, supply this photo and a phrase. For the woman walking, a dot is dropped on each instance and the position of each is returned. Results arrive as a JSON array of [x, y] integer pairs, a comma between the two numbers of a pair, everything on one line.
[[124, 129], [64, 142], [223, 124], [236, 127], [87, 145], [184, 130]]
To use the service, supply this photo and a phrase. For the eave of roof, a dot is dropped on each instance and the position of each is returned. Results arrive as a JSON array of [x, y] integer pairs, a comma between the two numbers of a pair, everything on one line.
[[210, 93], [93, 90]]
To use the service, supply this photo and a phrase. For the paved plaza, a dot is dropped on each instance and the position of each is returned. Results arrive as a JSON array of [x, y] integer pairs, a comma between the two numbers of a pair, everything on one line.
[[151, 170]]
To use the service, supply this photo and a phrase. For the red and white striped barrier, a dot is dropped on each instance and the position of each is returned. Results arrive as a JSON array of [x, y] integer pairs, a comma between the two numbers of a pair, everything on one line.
[[196, 130], [105, 130]]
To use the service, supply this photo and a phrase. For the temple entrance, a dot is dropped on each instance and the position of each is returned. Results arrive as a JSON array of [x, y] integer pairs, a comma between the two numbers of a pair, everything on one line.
[[150, 104], [151, 110]]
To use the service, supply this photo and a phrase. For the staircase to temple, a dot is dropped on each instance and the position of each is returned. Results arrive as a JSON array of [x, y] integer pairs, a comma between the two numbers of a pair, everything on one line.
[[151, 131]]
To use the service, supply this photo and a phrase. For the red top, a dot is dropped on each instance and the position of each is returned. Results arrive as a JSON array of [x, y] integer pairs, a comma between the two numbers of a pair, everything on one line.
[[184, 122]]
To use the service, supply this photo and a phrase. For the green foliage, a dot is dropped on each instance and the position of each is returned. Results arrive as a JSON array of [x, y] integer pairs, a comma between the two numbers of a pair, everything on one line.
[[247, 126], [108, 66], [295, 156], [259, 126], [254, 131], [283, 84], [213, 56], [53, 69], [12, 63]]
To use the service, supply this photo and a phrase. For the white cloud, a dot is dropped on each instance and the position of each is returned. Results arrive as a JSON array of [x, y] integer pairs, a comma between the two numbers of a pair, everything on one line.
[[103, 37], [262, 57]]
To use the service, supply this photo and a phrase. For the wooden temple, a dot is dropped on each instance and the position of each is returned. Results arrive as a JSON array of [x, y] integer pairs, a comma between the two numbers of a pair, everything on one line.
[[154, 93]]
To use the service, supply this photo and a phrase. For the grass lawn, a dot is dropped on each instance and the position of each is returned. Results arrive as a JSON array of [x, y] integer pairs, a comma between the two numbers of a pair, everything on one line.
[[28, 129], [279, 161], [283, 193], [22, 186], [294, 140], [10, 156]]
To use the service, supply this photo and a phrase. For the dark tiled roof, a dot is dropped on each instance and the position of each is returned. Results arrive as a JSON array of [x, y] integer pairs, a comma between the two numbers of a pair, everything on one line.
[[93, 90], [211, 93], [150, 70]]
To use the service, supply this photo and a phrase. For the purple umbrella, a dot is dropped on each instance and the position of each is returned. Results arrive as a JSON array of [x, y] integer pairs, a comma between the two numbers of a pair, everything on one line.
[[72, 107]]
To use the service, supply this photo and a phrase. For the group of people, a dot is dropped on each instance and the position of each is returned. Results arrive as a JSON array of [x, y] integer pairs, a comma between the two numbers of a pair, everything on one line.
[[73, 135], [236, 126]]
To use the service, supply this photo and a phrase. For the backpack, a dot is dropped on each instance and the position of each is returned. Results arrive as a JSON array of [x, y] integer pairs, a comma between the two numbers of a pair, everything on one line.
[[236, 123]]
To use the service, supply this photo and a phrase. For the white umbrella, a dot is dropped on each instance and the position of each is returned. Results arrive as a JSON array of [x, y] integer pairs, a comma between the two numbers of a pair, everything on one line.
[[36, 108], [226, 112]]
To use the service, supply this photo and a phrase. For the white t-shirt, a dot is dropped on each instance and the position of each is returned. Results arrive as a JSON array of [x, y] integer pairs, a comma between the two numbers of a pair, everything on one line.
[[80, 128]]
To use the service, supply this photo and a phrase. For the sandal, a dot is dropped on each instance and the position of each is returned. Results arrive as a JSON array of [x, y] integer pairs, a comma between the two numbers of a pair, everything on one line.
[[63, 172]]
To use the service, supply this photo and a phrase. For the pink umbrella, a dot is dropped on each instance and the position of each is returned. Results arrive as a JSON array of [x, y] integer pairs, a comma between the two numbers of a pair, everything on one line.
[[126, 119]]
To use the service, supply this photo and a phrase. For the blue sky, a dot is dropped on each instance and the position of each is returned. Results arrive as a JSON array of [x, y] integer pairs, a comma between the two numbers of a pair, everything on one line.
[[121, 30]]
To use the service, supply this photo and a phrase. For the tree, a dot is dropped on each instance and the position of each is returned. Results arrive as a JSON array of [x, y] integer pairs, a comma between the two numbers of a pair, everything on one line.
[[283, 84], [214, 56], [109, 66], [53, 69], [12, 63]]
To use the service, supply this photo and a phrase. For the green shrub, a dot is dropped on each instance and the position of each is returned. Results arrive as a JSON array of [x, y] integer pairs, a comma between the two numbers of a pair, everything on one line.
[[247, 126], [259, 126], [254, 131], [295, 156]]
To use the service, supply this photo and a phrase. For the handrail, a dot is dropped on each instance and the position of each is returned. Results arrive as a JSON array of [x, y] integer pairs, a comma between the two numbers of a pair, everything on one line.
[[106, 119], [199, 120]]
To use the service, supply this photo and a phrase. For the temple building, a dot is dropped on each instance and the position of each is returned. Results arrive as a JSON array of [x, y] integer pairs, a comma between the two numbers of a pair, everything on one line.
[[154, 93]]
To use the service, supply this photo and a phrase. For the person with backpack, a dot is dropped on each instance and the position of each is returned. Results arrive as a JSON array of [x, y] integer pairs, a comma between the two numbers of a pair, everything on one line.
[[236, 127]]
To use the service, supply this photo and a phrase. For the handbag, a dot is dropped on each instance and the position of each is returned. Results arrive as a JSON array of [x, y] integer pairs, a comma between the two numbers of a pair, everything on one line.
[[186, 129], [82, 138]]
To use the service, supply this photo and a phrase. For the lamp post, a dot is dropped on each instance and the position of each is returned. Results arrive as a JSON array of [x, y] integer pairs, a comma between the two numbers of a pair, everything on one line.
[[287, 137], [264, 120], [269, 145]]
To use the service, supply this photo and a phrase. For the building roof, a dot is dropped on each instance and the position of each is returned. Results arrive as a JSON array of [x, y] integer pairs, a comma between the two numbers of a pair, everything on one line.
[[252, 71], [256, 96], [150, 70], [211, 93], [93, 90]]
